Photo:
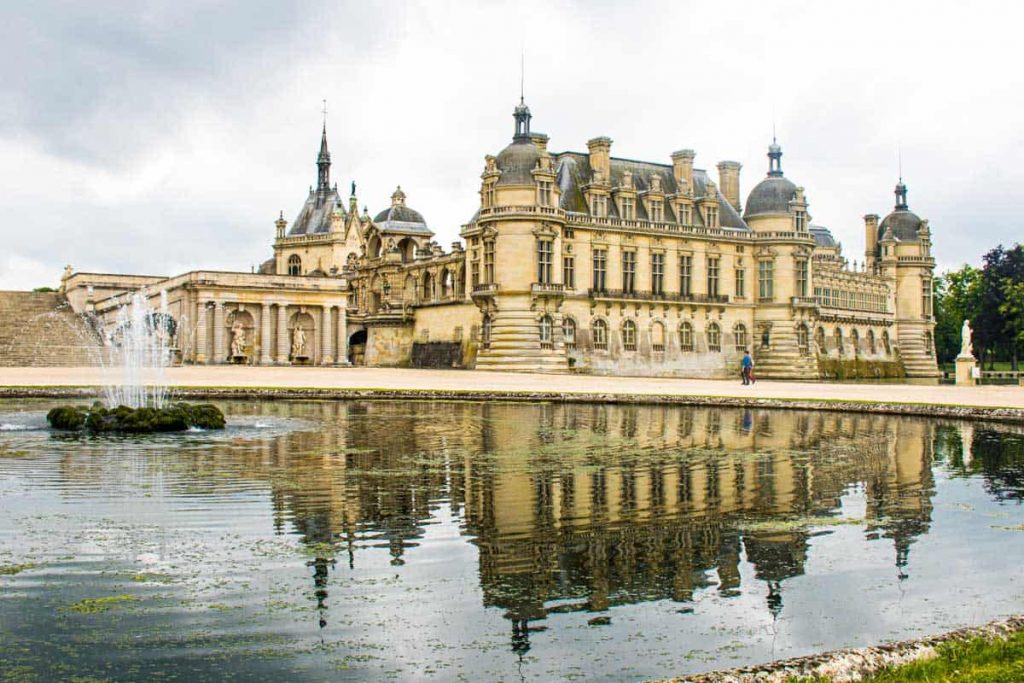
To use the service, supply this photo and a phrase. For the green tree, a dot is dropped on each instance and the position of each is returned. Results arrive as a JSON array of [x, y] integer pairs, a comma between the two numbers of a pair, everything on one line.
[[956, 299], [1001, 270]]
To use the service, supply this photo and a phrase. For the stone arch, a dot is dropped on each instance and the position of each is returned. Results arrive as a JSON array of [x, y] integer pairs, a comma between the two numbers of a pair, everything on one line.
[[886, 342], [428, 290], [739, 335], [357, 346], [713, 333], [686, 336], [838, 336], [872, 347], [302, 337], [407, 248], [547, 331], [657, 336], [803, 339], [599, 329], [855, 340], [569, 329], [240, 335], [628, 330], [460, 282], [819, 339], [446, 283], [373, 246]]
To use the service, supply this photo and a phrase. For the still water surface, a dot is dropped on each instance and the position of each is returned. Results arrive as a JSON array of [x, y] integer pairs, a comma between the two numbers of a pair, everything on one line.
[[464, 541]]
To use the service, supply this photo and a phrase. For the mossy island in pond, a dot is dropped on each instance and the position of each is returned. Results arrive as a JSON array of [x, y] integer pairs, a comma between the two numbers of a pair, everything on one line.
[[98, 419]]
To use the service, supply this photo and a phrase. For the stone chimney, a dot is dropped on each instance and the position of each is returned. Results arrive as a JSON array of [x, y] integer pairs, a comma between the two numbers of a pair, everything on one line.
[[729, 181], [540, 141], [682, 168], [870, 237], [600, 158]]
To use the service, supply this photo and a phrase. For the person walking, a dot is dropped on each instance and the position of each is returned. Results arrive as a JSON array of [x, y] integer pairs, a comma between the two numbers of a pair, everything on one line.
[[746, 367]]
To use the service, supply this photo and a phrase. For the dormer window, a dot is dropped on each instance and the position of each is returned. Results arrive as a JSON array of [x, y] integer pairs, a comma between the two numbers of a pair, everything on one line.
[[657, 212], [598, 206], [489, 195], [685, 215], [711, 217], [628, 210], [544, 193], [800, 221]]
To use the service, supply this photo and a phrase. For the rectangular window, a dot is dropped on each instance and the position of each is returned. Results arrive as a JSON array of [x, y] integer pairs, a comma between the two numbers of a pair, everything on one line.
[[544, 262], [657, 212], [474, 269], [685, 274], [627, 209], [713, 276], [599, 206], [489, 195], [657, 273], [568, 233], [544, 193], [711, 217], [741, 282], [684, 214], [569, 272], [926, 298], [489, 262], [600, 269], [628, 272], [766, 279], [799, 219], [801, 277]]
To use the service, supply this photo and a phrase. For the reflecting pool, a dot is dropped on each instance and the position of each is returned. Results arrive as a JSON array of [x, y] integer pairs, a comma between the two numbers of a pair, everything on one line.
[[466, 541]]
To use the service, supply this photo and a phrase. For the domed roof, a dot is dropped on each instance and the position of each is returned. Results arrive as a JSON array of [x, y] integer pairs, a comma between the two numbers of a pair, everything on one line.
[[399, 217], [902, 220], [402, 214], [771, 195], [517, 161], [904, 225]]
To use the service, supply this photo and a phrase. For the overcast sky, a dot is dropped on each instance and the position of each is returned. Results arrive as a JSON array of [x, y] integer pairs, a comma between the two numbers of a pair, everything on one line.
[[164, 136]]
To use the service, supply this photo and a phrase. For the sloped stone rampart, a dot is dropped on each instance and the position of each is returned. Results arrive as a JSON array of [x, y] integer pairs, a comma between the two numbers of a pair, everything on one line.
[[39, 329]]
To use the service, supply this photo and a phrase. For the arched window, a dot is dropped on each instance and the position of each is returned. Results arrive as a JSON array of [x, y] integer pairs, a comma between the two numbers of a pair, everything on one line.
[[855, 340], [569, 332], [686, 336], [373, 247], [485, 332], [446, 283], [428, 287], [740, 332], [628, 335], [885, 342], [871, 341], [657, 336], [802, 339], [294, 265], [600, 331], [714, 337], [839, 340], [546, 324], [819, 339]]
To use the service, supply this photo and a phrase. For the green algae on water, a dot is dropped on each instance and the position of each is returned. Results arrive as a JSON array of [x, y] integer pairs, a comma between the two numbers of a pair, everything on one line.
[[97, 605]]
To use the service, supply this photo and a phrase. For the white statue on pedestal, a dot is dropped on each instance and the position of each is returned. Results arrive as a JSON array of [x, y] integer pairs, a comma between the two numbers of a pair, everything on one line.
[[298, 342], [966, 347], [237, 339]]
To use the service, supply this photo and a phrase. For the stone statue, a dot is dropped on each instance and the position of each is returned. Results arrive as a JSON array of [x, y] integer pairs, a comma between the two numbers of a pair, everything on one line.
[[237, 339], [966, 347], [298, 342]]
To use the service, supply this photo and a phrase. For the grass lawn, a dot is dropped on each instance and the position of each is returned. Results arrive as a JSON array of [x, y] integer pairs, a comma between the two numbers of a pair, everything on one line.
[[974, 661]]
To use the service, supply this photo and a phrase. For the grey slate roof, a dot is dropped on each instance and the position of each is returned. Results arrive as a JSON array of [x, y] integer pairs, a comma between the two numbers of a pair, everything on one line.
[[517, 161], [822, 236], [315, 216], [904, 225], [574, 172], [770, 196]]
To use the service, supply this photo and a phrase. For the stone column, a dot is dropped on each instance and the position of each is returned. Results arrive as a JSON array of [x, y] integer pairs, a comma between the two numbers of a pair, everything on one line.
[[202, 322], [342, 335], [326, 350], [283, 342], [265, 339], [218, 331]]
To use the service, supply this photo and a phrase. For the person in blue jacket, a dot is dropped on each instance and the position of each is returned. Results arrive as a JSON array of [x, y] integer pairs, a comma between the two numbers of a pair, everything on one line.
[[747, 367]]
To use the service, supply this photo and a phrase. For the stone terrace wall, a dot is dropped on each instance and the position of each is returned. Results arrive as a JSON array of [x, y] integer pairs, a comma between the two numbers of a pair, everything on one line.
[[40, 329]]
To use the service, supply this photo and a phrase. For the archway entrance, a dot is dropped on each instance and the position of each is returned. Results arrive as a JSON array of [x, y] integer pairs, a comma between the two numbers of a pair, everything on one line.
[[357, 348]]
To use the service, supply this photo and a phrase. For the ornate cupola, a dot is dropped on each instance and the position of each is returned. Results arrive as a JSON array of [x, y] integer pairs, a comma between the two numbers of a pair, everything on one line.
[[774, 160], [522, 116], [901, 196]]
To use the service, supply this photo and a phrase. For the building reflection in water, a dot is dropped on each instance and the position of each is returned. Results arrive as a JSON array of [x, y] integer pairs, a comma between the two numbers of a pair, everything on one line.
[[584, 507]]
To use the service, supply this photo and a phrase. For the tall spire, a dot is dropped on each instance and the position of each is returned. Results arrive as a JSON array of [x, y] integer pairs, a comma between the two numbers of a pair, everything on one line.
[[522, 112], [323, 160]]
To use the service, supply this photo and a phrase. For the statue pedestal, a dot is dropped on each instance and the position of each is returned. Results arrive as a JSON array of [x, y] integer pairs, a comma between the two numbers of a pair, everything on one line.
[[965, 366]]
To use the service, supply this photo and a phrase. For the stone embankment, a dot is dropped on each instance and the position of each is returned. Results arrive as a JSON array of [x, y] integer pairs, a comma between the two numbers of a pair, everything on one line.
[[857, 664], [39, 329]]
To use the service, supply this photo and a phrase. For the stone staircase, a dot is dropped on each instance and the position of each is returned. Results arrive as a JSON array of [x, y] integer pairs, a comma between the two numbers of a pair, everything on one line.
[[784, 360], [515, 344], [917, 361], [39, 329]]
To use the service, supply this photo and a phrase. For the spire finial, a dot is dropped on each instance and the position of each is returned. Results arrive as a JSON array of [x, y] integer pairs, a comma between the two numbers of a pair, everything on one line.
[[899, 160], [325, 115], [522, 75]]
